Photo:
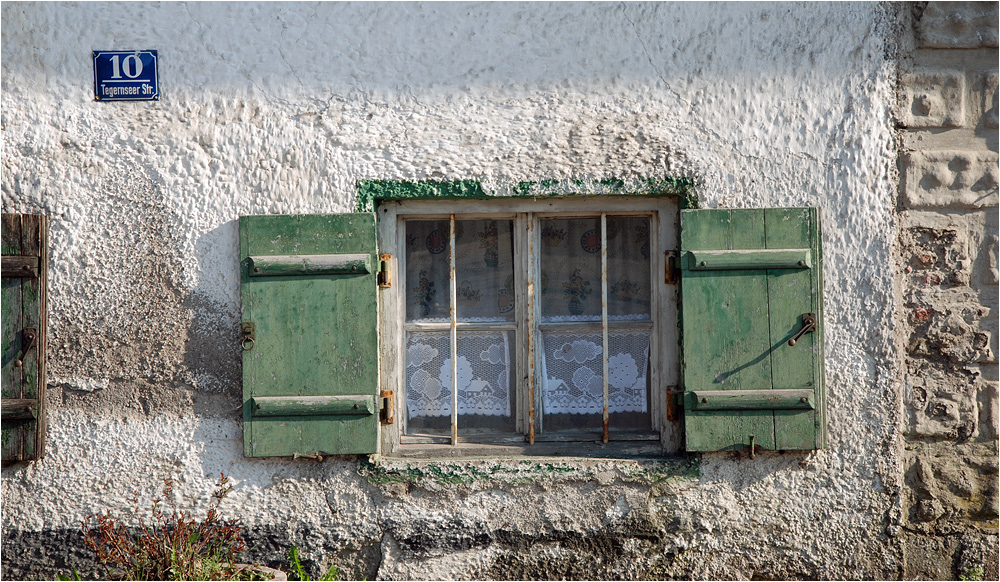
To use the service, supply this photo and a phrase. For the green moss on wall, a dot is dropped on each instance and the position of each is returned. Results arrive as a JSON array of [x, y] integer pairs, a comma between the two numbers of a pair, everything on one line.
[[372, 191]]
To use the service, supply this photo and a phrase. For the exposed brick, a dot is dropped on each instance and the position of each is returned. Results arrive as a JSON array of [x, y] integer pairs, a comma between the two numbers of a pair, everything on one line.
[[950, 179], [933, 98], [957, 25], [936, 258], [952, 332]]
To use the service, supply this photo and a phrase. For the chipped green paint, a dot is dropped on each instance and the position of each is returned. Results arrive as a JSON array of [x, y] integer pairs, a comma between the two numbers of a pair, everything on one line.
[[372, 191], [670, 470], [369, 191]]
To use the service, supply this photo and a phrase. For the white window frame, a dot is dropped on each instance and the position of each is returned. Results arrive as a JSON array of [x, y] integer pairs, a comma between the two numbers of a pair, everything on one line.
[[663, 214]]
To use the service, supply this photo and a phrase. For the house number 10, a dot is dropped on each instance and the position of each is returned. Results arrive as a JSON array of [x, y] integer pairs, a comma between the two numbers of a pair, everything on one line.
[[131, 71]]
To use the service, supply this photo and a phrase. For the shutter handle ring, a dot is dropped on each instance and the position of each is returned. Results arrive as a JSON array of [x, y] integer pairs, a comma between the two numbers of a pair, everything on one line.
[[247, 343]]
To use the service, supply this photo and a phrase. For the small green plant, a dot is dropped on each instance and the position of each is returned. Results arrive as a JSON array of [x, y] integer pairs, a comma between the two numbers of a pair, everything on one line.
[[972, 574], [297, 572], [63, 577], [171, 544]]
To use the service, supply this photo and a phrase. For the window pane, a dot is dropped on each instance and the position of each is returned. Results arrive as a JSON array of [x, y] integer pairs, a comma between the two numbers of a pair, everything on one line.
[[427, 270], [573, 376], [484, 253], [485, 370], [628, 268], [628, 380], [570, 269]]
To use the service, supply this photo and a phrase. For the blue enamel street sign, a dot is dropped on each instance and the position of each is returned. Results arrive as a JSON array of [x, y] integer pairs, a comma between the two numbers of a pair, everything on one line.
[[126, 76]]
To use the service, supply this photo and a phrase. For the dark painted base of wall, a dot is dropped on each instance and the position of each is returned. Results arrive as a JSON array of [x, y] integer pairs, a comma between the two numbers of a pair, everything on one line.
[[971, 554], [43, 555]]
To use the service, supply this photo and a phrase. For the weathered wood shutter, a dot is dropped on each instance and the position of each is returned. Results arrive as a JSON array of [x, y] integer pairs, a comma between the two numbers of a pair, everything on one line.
[[24, 270], [751, 282], [310, 344]]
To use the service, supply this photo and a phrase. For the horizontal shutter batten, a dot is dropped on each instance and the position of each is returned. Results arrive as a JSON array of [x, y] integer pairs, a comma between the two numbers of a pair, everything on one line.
[[292, 265], [748, 259], [359, 405], [785, 399]]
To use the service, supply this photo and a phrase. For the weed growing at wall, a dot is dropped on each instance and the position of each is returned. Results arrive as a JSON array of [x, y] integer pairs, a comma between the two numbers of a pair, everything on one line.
[[296, 571], [170, 544]]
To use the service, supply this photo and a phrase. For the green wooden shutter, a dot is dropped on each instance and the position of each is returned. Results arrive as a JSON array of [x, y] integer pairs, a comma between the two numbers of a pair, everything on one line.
[[310, 361], [25, 265], [749, 277]]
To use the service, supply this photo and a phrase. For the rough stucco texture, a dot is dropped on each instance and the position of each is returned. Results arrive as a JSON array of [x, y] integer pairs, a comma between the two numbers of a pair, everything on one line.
[[281, 108]]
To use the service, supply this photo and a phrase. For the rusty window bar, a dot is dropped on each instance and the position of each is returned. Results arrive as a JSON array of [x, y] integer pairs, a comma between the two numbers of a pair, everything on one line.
[[530, 328], [453, 330], [604, 321]]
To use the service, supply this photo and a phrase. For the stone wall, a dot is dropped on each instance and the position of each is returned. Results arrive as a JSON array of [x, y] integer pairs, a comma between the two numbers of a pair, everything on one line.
[[948, 283]]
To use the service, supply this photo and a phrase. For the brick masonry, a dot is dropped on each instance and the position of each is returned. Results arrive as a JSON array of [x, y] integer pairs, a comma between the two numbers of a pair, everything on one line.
[[948, 202]]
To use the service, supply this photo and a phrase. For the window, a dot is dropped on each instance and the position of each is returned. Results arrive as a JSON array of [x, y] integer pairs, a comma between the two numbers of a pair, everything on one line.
[[557, 331], [432, 327]]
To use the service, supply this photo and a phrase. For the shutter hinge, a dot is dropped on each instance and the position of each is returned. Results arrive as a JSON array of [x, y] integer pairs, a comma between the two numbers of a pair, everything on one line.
[[387, 411], [671, 271], [675, 403], [384, 276]]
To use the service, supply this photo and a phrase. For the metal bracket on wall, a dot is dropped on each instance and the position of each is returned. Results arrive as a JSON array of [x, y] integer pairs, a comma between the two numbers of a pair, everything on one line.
[[671, 267], [384, 271], [387, 412]]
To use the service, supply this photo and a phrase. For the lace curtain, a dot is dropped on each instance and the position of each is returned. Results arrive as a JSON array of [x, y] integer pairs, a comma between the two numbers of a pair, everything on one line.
[[573, 369], [484, 365]]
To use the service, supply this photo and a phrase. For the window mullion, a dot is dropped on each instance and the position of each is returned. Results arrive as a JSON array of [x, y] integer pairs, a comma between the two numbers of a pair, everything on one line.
[[453, 304], [604, 319], [530, 328]]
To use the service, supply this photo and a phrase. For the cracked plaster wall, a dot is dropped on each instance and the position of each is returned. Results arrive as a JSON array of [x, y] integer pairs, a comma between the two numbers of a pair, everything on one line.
[[282, 108]]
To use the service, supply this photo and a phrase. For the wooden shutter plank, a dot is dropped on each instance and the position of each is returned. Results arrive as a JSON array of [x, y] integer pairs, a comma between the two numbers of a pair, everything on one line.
[[791, 295], [12, 437], [315, 335], [31, 313], [726, 313]]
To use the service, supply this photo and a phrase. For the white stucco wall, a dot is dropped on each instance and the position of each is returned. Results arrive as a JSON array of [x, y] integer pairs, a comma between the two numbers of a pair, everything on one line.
[[282, 108]]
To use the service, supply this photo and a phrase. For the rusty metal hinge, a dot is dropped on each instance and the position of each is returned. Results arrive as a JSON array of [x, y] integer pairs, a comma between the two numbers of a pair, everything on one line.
[[675, 403], [671, 268], [387, 412], [384, 276]]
